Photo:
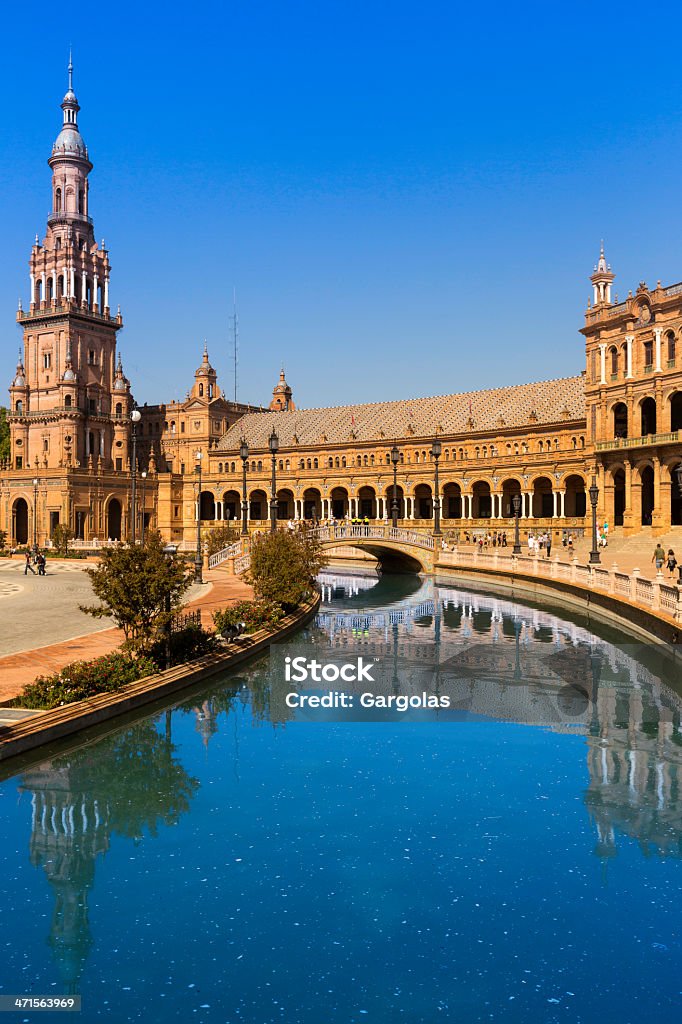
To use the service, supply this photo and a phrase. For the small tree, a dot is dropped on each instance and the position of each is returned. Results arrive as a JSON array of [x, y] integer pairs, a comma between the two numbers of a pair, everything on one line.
[[61, 535], [284, 565], [220, 538], [140, 588], [3, 539]]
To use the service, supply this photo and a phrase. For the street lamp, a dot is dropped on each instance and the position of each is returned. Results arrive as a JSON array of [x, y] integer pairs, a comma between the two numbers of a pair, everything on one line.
[[436, 449], [169, 551], [198, 573], [516, 507], [273, 444], [143, 474], [135, 418], [243, 455], [395, 459], [35, 512], [594, 497]]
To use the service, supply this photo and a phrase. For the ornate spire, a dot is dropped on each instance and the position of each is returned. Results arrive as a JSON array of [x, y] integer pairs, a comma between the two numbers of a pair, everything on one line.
[[601, 280], [70, 70]]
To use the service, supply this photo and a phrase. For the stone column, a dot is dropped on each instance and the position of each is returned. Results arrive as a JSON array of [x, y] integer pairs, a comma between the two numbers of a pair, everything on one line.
[[106, 291], [94, 292], [562, 504], [602, 364], [555, 510], [657, 518], [84, 287], [628, 366], [657, 349], [33, 290]]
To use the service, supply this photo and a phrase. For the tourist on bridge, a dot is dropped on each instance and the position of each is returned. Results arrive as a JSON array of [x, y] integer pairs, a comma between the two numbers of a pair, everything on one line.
[[658, 556], [671, 562]]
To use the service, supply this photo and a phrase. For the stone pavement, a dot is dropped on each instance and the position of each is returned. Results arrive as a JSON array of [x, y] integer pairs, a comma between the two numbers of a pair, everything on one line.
[[75, 643]]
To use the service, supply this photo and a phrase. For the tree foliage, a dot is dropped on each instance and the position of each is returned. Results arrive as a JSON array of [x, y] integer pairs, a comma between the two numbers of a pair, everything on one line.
[[3, 539], [220, 538], [284, 565], [61, 535], [5, 450], [140, 588]]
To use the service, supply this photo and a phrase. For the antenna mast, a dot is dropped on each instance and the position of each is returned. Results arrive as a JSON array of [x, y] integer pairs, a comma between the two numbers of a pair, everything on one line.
[[235, 335]]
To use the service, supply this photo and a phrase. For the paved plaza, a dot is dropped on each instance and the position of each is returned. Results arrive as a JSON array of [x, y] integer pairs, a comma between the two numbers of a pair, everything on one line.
[[42, 628]]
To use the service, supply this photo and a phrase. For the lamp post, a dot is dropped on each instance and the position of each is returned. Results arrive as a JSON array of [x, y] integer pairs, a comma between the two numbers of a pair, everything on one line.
[[436, 449], [516, 507], [143, 474], [594, 497], [35, 512], [135, 418], [169, 551], [243, 455], [273, 444], [395, 459], [198, 564]]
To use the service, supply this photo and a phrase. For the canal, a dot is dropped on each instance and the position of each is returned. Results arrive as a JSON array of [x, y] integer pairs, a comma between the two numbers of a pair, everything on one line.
[[513, 853]]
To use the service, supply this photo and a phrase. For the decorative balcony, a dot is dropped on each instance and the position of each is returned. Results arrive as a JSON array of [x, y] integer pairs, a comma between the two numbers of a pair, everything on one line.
[[638, 442]]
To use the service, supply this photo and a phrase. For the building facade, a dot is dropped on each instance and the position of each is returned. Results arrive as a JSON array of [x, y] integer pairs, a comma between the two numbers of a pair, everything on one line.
[[75, 450]]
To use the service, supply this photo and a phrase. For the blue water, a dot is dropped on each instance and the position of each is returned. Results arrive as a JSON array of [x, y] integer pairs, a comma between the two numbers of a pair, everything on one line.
[[223, 864]]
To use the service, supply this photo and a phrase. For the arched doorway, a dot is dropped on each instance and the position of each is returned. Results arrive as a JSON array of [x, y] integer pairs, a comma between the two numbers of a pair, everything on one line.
[[482, 501], [285, 504], [618, 497], [400, 498], [452, 501], [620, 420], [232, 505], [676, 411], [206, 506], [509, 489], [114, 517], [423, 502], [20, 521], [258, 505], [647, 478], [543, 499], [575, 500], [367, 503], [648, 408], [312, 504], [339, 502]]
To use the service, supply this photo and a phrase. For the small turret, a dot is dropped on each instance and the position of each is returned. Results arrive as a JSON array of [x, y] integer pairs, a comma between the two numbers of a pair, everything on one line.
[[282, 400], [602, 279]]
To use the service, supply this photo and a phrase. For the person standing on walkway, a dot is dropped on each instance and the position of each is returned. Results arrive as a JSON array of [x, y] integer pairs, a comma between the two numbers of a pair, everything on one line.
[[28, 567], [658, 556], [548, 544], [671, 562]]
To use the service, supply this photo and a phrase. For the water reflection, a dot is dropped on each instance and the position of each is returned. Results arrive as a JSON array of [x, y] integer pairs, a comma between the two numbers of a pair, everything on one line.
[[500, 661], [128, 784]]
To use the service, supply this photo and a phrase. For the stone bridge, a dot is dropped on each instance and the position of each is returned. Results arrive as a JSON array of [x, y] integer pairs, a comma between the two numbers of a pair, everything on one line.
[[397, 549]]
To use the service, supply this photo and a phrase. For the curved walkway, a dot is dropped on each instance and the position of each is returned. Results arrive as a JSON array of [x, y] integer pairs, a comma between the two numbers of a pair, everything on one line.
[[21, 667]]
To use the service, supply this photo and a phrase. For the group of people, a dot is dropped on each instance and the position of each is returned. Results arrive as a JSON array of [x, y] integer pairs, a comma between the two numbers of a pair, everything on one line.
[[35, 558], [496, 539], [660, 556]]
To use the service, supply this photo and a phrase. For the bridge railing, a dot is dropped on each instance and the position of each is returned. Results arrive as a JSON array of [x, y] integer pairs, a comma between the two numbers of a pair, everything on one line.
[[658, 594], [231, 551]]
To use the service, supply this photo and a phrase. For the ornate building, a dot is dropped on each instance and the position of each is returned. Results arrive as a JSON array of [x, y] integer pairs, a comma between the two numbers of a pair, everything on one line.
[[72, 441]]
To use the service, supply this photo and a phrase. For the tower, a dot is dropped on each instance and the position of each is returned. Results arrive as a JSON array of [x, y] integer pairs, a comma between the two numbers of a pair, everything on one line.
[[282, 396], [602, 279], [66, 395]]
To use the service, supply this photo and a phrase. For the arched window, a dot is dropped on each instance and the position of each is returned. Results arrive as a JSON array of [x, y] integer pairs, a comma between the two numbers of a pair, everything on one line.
[[574, 443], [371, 460], [343, 461], [19, 407], [315, 465], [614, 362], [172, 427], [336, 462], [301, 463], [330, 462], [309, 464], [67, 401], [232, 467], [260, 466], [365, 460], [671, 348], [416, 456], [58, 201], [648, 354], [477, 451], [201, 391]]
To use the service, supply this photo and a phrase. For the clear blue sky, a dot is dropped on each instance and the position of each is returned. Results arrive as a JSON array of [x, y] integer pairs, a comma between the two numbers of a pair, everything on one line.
[[407, 197]]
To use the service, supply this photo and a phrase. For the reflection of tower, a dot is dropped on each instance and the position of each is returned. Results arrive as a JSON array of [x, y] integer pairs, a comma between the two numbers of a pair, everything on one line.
[[206, 721], [68, 830]]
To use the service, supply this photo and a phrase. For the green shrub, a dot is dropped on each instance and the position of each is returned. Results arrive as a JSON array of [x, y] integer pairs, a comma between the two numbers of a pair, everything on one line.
[[283, 566], [255, 615], [83, 679], [185, 644]]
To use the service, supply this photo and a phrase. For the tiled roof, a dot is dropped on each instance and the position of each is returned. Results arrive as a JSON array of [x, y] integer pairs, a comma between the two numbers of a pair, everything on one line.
[[494, 411]]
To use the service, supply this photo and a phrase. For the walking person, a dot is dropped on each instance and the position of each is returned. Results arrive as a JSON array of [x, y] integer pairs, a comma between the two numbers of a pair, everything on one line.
[[671, 562], [41, 562], [28, 567], [658, 556], [548, 545]]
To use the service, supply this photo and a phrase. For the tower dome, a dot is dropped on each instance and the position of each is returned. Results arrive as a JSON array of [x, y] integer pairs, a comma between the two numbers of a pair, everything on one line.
[[282, 395]]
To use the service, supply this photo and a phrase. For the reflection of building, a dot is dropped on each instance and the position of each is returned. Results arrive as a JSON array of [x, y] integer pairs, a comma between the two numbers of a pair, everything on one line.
[[70, 403], [68, 830], [635, 765]]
